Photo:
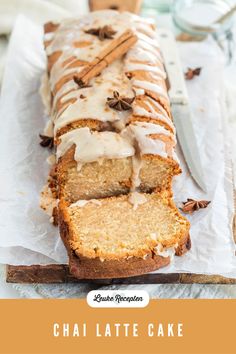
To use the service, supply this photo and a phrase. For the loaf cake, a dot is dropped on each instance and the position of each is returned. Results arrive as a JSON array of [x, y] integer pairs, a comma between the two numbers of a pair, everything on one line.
[[110, 121]]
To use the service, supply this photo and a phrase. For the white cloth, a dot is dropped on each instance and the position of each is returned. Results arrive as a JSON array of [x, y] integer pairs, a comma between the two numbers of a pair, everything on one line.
[[39, 11]]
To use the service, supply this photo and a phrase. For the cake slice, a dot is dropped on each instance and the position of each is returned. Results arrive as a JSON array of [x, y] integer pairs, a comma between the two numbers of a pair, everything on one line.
[[122, 236], [111, 177], [95, 164]]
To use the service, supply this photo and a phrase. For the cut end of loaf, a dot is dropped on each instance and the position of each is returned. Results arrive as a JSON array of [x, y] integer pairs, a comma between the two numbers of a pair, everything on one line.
[[114, 229], [110, 177], [109, 238]]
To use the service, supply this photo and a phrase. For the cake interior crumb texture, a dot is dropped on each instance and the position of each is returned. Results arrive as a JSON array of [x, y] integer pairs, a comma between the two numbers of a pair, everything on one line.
[[113, 229]]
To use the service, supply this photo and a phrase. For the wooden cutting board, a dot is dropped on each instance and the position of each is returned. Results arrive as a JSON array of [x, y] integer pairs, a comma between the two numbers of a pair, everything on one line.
[[59, 273]]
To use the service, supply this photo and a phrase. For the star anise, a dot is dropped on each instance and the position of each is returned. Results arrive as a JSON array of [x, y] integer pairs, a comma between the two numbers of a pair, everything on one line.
[[189, 75], [120, 103], [80, 82], [192, 205], [46, 141], [105, 32]]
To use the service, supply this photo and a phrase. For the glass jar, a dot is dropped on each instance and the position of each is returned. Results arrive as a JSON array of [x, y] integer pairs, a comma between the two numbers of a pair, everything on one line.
[[197, 17], [161, 6]]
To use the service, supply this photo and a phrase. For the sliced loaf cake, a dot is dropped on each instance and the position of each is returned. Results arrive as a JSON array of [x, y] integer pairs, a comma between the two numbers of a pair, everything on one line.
[[114, 138]]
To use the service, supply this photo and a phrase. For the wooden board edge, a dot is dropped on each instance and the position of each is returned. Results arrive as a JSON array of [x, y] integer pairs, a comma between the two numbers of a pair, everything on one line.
[[59, 273], [120, 5]]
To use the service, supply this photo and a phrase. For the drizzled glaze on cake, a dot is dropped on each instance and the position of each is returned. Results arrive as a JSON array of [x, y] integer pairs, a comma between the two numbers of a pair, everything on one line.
[[151, 138], [114, 142], [92, 146], [93, 106], [148, 127], [144, 55]]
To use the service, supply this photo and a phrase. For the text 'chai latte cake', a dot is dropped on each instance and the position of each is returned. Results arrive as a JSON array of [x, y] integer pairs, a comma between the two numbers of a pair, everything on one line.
[[111, 126]]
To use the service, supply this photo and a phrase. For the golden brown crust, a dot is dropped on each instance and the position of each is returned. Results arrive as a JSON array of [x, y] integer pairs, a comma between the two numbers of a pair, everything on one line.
[[81, 123], [87, 268], [169, 160], [134, 119], [93, 268], [52, 58], [50, 27], [184, 246]]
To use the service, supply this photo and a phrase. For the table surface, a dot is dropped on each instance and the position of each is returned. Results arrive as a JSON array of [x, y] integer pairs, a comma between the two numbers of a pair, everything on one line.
[[7, 291]]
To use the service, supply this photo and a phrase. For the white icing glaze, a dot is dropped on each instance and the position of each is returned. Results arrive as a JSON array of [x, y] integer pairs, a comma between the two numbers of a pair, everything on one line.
[[146, 47], [151, 87], [140, 131], [48, 130], [72, 31], [51, 160], [137, 199], [139, 91], [146, 29], [94, 106], [93, 146], [69, 35], [164, 251], [140, 111], [48, 36], [145, 54], [45, 93], [152, 112], [137, 165], [81, 203], [145, 38], [68, 86], [145, 67]]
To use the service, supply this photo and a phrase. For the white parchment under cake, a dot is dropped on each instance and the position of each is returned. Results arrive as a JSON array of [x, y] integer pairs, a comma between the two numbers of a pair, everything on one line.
[[23, 168]]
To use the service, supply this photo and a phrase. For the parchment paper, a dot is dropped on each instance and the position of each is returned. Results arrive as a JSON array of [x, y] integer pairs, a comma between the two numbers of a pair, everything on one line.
[[27, 237]]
